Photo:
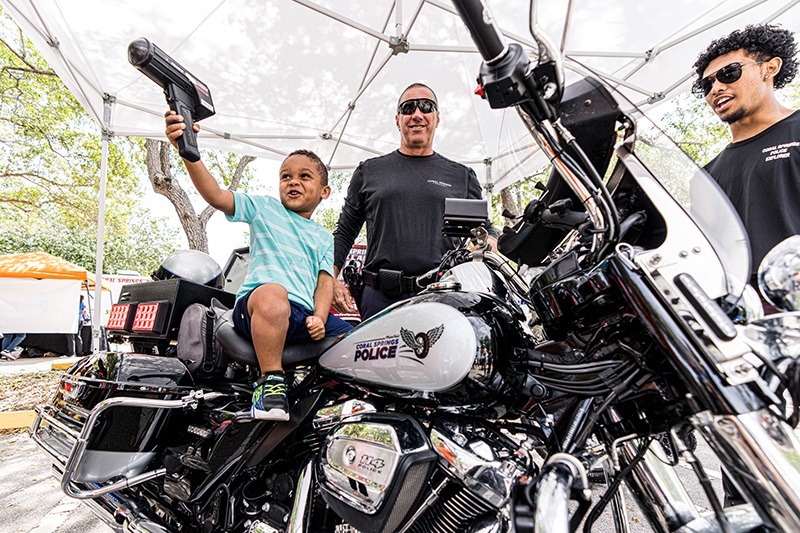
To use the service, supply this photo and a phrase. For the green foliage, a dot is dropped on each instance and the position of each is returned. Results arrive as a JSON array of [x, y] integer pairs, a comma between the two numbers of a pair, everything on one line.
[[50, 171], [327, 217], [521, 192], [695, 128], [141, 250], [791, 94], [338, 181], [49, 147]]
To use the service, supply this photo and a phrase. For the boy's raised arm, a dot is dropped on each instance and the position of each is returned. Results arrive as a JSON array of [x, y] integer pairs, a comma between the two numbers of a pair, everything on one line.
[[204, 182]]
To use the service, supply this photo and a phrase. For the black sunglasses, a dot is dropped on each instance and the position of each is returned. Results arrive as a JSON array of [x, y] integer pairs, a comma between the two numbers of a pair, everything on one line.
[[727, 74], [426, 105]]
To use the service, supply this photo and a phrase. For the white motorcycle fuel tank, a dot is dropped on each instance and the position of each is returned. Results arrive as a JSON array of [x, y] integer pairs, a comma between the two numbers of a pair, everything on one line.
[[440, 346]]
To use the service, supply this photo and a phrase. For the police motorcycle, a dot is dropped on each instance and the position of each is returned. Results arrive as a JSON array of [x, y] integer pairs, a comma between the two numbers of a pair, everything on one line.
[[483, 404]]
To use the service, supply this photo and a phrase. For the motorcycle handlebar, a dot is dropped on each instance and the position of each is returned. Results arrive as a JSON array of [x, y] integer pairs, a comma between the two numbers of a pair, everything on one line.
[[485, 33]]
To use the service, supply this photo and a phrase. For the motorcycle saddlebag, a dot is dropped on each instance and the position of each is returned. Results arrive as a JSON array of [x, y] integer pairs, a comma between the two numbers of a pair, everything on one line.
[[124, 439], [197, 343]]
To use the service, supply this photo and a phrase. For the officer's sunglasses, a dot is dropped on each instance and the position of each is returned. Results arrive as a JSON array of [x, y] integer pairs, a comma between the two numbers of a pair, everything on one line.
[[426, 105], [727, 74]]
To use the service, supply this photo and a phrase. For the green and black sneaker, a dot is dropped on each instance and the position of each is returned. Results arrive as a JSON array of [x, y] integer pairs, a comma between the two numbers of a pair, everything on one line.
[[269, 398]]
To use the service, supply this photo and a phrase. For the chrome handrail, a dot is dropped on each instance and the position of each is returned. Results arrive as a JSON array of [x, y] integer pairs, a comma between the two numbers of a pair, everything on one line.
[[42, 415], [190, 401]]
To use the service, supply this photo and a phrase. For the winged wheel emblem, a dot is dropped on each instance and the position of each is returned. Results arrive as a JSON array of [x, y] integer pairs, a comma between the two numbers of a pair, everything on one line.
[[421, 342]]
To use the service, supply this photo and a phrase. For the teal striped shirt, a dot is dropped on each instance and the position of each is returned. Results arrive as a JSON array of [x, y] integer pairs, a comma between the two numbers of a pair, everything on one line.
[[285, 248]]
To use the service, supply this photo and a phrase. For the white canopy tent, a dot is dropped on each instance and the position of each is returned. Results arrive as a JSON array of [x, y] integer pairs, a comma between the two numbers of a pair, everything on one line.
[[326, 74]]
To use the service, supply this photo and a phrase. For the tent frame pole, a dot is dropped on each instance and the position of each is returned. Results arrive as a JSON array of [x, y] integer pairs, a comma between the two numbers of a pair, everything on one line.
[[106, 135], [488, 185]]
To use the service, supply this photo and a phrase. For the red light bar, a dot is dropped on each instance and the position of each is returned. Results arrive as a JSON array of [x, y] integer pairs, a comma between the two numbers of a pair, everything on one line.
[[150, 317], [121, 317]]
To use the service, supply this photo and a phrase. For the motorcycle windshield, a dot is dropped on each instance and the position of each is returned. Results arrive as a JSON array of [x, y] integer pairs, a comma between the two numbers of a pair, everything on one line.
[[700, 196]]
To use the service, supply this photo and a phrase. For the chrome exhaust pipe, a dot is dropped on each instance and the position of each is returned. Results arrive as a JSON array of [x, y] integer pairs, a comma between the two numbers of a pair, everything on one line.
[[301, 508], [119, 513], [657, 484]]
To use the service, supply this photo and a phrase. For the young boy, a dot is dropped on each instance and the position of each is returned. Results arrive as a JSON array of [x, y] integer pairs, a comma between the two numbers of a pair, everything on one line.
[[290, 270]]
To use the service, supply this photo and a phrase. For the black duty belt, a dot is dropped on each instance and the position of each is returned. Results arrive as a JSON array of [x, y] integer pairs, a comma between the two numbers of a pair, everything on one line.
[[391, 282]]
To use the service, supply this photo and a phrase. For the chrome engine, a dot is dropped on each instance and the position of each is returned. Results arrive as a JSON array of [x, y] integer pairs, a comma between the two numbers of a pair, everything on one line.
[[384, 472]]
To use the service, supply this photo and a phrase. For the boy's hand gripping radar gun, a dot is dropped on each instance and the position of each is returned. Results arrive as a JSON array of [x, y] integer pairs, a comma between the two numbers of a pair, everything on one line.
[[186, 95]]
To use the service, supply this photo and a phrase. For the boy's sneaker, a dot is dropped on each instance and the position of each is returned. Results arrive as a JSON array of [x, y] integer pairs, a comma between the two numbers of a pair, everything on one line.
[[269, 398], [8, 355]]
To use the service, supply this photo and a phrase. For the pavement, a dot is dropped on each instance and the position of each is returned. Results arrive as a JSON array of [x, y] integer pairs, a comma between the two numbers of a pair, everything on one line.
[[31, 496], [35, 364]]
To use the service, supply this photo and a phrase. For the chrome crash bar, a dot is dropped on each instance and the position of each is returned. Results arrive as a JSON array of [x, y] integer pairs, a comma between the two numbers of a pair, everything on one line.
[[76, 456]]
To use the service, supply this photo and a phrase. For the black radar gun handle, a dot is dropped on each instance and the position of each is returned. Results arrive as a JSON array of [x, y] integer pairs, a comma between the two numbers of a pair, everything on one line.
[[187, 143]]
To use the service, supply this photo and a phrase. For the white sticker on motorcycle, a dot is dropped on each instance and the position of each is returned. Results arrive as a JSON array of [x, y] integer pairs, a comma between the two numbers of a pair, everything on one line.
[[427, 346]]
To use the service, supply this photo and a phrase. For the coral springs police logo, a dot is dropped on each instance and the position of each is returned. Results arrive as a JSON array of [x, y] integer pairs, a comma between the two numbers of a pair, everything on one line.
[[421, 343], [389, 347]]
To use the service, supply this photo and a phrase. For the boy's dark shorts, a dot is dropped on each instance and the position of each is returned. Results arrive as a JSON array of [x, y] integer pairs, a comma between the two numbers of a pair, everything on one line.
[[298, 332]]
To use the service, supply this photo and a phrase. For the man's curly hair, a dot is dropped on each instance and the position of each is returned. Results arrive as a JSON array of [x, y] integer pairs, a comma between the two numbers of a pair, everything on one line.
[[762, 42]]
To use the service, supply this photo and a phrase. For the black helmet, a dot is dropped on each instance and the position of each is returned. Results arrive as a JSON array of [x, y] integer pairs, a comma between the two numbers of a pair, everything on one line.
[[191, 265]]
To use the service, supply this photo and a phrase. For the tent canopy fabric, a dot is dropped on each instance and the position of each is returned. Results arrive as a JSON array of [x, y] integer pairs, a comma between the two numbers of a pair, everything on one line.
[[41, 265], [326, 74]]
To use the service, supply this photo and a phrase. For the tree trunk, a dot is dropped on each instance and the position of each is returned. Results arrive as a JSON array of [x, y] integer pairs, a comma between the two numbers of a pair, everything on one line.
[[508, 202], [159, 172]]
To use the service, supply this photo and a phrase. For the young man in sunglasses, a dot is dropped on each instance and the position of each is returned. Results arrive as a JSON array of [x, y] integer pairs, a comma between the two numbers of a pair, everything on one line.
[[760, 169], [401, 197]]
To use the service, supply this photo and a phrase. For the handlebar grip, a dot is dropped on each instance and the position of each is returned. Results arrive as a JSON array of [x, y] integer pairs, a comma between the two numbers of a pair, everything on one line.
[[187, 143], [485, 33]]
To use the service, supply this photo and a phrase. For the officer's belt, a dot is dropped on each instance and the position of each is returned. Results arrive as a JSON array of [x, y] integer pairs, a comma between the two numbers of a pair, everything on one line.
[[391, 282]]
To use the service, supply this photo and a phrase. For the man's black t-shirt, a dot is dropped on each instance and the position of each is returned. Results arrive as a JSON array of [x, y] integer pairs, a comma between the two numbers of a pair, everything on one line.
[[401, 198], [761, 176]]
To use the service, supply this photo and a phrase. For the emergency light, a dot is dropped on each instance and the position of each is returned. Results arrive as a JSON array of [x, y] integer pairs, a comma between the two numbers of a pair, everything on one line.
[[150, 317], [121, 317]]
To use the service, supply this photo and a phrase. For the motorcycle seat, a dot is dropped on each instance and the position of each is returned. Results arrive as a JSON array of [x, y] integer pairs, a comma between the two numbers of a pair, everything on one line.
[[240, 348]]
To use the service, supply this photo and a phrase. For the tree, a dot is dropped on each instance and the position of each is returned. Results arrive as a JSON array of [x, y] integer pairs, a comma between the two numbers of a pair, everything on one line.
[[516, 196], [159, 156], [49, 169], [695, 128], [328, 217], [49, 148], [142, 251]]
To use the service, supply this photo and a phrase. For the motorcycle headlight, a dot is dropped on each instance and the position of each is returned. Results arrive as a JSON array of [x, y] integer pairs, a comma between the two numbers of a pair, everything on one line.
[[779, 275]]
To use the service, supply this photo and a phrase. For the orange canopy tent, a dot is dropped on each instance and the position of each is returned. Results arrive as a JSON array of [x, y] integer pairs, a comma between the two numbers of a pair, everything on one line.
[[41, 265]]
